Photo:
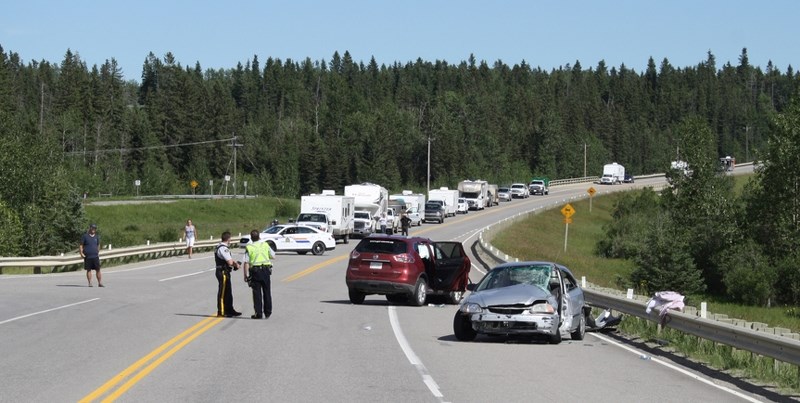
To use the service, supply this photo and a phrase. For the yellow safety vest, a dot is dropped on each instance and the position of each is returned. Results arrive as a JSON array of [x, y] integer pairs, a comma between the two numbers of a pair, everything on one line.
[[258, 254]]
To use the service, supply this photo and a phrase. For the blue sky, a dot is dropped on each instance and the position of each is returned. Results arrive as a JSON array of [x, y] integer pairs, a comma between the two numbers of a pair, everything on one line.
[[548, 34]]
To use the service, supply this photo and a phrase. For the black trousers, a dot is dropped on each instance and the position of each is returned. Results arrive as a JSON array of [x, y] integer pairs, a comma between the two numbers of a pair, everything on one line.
[[224, 294], [262, 295]]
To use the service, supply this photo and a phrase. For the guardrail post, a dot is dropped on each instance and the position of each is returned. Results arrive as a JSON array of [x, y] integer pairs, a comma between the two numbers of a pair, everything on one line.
[[37, 269]]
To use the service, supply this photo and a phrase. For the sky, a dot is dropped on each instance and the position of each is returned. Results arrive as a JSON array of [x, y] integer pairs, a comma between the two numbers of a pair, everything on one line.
[[545, 34]]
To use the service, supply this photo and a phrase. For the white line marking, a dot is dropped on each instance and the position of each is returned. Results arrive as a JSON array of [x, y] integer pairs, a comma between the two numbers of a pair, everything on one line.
[[185, 275], [47, 310], [412, 357], [679, 369]]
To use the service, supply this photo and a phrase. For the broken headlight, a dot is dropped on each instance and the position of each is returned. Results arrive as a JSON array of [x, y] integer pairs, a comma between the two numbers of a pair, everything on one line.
[[542, 308], [471, 308]]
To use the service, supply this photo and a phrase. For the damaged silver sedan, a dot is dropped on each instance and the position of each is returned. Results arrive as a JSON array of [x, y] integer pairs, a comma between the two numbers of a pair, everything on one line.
[[523, 299]]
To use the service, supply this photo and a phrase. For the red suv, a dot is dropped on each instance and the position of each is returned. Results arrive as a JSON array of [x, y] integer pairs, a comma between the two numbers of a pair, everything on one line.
[[407, 269]]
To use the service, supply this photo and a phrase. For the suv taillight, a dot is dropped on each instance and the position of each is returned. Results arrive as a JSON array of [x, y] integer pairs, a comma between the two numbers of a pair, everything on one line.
[[404, 258], [354, 255]]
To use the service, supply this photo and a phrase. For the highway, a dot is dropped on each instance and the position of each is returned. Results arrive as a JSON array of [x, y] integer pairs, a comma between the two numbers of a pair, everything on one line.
[[150, 335]]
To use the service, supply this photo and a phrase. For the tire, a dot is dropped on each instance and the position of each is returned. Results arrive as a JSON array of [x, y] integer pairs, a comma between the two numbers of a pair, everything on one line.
[[272, 245], [302, 252], [346, 238], [556, 338], [462, 328], [318, 248], [356, 297], [454, 297], [441, 221], [581, 330], [420, 293]]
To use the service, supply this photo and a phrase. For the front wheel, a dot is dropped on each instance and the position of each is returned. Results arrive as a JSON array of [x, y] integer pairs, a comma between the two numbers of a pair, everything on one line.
[[420, 293], [346, 238], [462, 327], [318, 248]]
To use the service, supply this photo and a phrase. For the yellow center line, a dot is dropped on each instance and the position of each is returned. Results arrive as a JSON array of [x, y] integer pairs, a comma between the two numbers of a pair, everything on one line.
[[315, 268], [135, 366]]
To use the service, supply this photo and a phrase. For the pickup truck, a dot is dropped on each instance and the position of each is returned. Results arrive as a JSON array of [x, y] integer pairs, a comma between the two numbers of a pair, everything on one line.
[[539, 186], [434, 211]]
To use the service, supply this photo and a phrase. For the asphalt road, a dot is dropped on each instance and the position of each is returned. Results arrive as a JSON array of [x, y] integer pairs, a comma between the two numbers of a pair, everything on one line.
[[150, 335]]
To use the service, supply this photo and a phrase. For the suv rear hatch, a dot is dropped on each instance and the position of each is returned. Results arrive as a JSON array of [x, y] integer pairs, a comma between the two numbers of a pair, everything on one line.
[[382, 259]]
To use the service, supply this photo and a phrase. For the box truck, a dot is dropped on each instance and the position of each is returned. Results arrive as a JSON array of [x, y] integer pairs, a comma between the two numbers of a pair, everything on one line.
[[448, 196], [476, 192]]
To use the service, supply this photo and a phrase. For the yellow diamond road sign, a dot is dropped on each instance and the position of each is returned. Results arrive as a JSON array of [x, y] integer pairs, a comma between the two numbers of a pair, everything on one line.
[[591, 191], [568, 211]]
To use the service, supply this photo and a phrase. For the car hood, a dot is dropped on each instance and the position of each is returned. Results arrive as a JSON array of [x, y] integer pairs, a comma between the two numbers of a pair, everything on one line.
[[522, 294]]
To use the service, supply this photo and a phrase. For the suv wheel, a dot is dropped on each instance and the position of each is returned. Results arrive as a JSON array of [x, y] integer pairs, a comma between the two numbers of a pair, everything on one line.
[[455, 297], [356, 297], [420, 293]]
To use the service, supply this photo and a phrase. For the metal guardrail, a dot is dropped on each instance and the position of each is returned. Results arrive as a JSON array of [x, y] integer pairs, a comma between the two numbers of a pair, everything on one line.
[[152, 251]]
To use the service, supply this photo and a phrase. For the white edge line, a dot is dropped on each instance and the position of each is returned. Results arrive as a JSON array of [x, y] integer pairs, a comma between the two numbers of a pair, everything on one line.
[[185, 275], [679, 369], [412, 357], [47, 310]]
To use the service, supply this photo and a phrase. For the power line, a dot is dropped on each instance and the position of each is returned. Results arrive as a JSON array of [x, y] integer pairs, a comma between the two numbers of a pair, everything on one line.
[[126, 150]]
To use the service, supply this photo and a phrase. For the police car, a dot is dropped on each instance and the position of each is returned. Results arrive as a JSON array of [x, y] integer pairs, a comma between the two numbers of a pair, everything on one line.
[[295, 238]]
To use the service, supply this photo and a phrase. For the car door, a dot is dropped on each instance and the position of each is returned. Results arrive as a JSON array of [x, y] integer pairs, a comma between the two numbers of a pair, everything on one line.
[[451, 267], [572, 301]]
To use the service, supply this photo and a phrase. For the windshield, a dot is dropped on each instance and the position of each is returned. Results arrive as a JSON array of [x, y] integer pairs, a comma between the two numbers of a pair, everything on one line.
[[470, 195], [362, 215], [462, 200], [504, 190], [537, 275], [381, 246], [311, 217], [517, 186], [273, 229], [433, 206]]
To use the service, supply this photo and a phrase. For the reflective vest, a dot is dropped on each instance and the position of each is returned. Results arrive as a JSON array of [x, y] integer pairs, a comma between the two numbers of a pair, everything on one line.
[[258, 254]]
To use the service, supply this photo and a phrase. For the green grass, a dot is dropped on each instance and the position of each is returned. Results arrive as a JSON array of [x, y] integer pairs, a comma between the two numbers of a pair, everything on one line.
[[134, 224]]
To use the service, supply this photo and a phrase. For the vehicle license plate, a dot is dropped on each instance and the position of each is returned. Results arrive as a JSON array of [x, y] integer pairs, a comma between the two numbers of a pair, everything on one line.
[[375, 265]]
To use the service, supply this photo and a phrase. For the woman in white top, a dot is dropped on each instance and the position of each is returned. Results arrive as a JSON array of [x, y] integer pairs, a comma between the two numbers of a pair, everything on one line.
[[189, 233]]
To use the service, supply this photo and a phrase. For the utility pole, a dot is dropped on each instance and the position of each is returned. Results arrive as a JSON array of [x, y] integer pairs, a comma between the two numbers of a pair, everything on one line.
[[235, 145], [429, 163], [584, 160]]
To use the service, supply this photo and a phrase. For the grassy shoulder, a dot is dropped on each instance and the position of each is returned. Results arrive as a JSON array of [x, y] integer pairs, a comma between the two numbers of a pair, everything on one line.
[[541, 237], [134, 224]]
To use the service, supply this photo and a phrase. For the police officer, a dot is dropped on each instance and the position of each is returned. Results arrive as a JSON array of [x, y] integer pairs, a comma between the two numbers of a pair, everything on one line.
[[224, 264], [257, 271]]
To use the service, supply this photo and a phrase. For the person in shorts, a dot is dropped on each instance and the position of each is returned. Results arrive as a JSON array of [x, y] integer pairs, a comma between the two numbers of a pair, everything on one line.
[[189, 233], [90, 252]]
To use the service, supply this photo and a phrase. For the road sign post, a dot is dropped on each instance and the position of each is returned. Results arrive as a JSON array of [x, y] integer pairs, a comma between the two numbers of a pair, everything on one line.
[[591, 196], [567, 211]]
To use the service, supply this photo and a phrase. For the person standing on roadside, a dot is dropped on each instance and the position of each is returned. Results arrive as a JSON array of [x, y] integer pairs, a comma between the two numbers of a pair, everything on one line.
[[90, 252], [382, 222], [405, 222], [189, 233], [224, 265], [257, 272]]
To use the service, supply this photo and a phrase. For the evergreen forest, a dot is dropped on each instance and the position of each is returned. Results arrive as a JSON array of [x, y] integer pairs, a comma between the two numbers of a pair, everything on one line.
[[290, 127]]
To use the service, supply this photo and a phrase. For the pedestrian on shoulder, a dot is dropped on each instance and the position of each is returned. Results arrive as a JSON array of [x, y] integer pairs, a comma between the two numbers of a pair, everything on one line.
[[189, 233], [382, 222], [257, 272], [224, 265], [405, 222], [90, 252]]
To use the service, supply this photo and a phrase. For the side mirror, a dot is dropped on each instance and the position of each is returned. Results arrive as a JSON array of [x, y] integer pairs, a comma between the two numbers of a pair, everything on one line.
[[471, 287], [333, 222]]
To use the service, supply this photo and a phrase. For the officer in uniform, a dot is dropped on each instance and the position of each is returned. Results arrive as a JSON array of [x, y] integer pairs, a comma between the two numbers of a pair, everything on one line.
[[224, 264], [257, 271]]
